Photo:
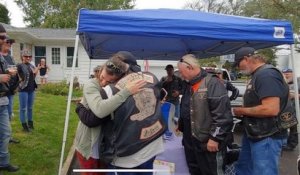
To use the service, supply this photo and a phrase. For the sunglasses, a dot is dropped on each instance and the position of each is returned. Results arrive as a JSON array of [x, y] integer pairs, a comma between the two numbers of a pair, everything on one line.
[[113, 67], [182, 61], [3, 37]]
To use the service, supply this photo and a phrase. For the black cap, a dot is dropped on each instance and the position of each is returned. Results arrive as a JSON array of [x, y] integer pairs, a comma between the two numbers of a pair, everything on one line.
[[241, 53], [2, 29], [287, 70], [169, 66], [130, 59]]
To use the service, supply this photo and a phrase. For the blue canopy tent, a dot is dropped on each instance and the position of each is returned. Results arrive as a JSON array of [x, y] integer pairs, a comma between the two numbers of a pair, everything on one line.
[[166, 34]]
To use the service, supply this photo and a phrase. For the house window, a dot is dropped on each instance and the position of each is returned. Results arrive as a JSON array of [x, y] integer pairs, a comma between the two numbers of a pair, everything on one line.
[[55, 52], [39, 53], [70, 54]]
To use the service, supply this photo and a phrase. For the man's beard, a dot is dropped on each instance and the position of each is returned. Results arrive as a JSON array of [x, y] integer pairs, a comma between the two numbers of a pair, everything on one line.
[[289, 80], [246, 72]]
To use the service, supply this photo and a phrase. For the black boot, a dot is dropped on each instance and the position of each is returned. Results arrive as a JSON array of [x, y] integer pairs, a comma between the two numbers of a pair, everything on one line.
[[25, 127], [30, 124]]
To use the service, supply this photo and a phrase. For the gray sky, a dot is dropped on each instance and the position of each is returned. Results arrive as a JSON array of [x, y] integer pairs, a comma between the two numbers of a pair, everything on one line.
[[17, 14]]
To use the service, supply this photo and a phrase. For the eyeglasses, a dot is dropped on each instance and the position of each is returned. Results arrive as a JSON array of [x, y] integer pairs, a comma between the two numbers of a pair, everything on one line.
[[3, 37], [27, 56], [8, 42], [182, 61], [113, 67]]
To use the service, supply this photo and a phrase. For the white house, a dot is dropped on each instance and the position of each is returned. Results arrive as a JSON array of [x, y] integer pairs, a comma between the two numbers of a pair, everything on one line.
[[57, 46]]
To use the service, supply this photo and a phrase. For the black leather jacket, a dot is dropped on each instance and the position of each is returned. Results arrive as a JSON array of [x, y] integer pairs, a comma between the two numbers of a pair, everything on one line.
[[208, 109]]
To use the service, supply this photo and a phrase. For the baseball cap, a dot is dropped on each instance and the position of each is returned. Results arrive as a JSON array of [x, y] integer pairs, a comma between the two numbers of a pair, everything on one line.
[[130, 59], [169, 66], [241, 53], [26, 53], [287, 70]]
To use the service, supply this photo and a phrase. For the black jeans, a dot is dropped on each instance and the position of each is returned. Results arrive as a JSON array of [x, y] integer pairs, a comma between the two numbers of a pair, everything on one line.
[[199, 160]]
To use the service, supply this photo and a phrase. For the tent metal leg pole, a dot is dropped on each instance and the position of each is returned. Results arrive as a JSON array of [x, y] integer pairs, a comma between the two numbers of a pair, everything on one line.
[[90, 67], [296, 95], [68, 106]]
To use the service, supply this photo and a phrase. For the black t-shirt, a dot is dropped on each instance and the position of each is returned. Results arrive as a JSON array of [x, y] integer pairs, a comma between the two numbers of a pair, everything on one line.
[[9, 59], [170, 87], [31, 82], [43, 71], [269, 83]]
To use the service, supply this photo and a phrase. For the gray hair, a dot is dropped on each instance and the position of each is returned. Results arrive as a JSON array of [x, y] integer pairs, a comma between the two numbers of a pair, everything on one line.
[[190, 59]]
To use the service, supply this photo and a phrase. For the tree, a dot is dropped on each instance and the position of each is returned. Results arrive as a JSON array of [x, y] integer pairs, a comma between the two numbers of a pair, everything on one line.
[[63, 13], [233, 7], [4, 18], [275, 9]]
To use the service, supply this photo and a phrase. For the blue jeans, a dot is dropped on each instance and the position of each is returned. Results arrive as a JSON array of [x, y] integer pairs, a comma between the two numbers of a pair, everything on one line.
[[10, 105], [259, 157], [26, 102], [5, 131], [147, 165]]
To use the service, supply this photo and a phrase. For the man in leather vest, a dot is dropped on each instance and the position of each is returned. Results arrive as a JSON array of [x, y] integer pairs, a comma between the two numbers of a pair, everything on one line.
[[265, 96], [205, 118], [5, 130]]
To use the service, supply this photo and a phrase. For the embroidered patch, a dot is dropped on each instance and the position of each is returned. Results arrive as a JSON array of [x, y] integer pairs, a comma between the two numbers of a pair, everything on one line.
[[287, 116], [145, 101], [133, 77], [151, 130]]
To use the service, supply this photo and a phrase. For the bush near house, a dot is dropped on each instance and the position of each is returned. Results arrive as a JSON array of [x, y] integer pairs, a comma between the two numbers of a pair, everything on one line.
[[39, 151], [60, 88]]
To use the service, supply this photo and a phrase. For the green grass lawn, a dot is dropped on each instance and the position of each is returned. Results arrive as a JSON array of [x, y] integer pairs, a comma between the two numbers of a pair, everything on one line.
[[39, 151]]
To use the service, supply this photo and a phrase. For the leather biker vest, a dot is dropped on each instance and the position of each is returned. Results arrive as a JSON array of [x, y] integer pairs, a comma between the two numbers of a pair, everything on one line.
[[200, 114], [136, 123], [257, 128]]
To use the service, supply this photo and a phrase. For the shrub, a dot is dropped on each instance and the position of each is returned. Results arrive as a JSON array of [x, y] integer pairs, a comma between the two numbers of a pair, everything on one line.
[[60, 88]]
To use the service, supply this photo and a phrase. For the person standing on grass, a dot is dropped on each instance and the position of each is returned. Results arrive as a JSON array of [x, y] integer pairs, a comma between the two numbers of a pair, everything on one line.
[[27, 86], [86, 140], [14, 80], [43, 69], [5, 129], [136, 128]]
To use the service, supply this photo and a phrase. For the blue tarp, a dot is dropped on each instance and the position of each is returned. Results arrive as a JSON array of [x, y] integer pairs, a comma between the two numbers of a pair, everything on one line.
[[167, 34]]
